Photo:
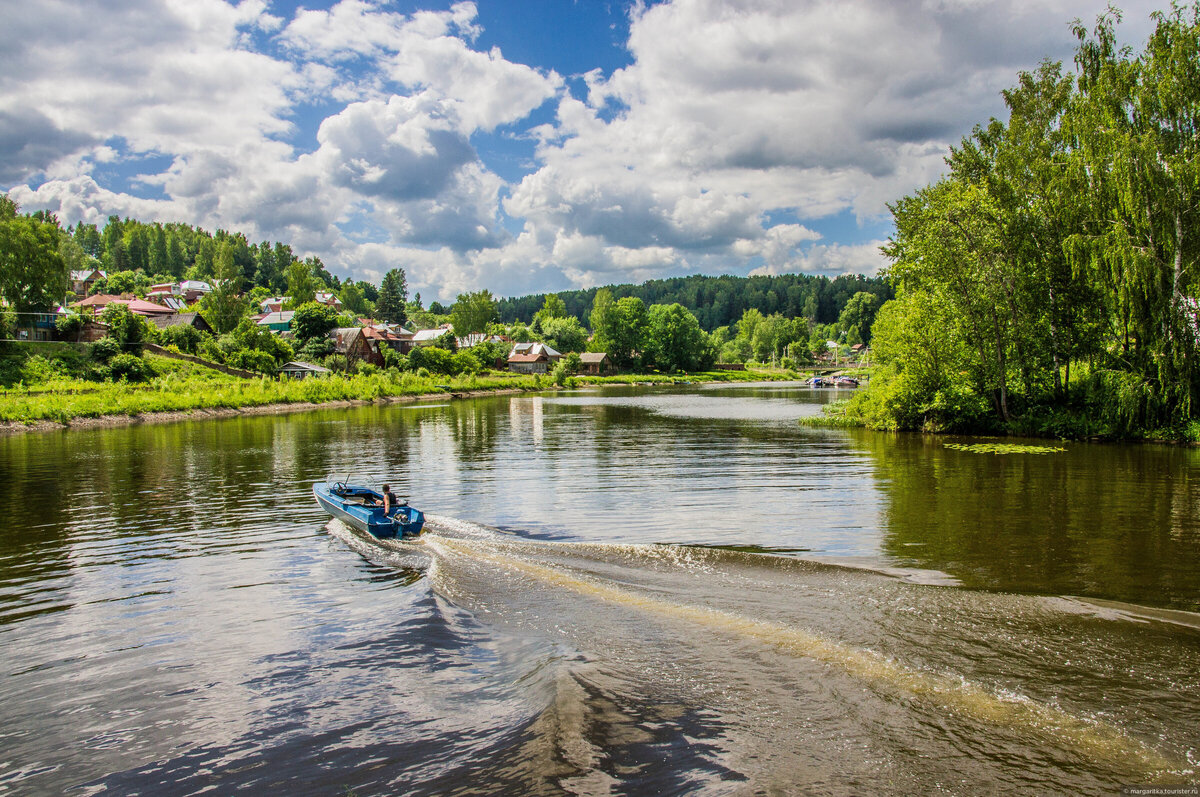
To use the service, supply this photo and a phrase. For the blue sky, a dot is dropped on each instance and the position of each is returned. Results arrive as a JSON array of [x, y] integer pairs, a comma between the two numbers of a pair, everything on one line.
[[516, 145]]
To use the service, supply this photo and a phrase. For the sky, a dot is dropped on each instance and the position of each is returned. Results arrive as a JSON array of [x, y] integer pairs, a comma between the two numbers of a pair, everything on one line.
[[522, 146]]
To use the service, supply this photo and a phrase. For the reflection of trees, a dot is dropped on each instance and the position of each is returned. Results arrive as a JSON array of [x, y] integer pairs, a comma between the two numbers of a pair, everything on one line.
[[1117, 522]]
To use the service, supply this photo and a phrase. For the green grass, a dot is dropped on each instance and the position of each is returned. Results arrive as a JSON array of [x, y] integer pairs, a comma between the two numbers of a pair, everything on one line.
[[48, 395]]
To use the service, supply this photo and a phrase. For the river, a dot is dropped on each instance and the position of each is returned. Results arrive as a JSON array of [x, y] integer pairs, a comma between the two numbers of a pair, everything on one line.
[[620, 591]]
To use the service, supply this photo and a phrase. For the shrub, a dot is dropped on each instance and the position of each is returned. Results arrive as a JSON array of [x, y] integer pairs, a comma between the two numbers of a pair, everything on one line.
[[104, 350], [183, 337], [130, 367], [394, 359], [253, 360]]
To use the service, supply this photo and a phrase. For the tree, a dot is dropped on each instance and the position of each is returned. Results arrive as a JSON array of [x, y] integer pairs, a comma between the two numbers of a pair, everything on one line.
[[125, 328], [352, 298], [472, 312], [313, 321], [857, 317], [392, 304], [1137, 127], [553, 308], [33, 276], [623, 330], [674, 339], [602, 318], [564, 334], [224, 306], [302, 286]]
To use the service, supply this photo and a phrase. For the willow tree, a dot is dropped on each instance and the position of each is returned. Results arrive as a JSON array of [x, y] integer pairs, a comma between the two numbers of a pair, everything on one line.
[[1135, 125]]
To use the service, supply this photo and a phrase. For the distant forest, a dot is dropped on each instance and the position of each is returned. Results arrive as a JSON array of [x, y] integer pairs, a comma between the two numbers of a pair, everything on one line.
[[137, 254], [720, 301]]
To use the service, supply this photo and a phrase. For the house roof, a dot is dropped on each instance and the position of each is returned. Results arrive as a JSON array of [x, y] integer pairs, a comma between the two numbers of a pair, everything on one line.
[[517, 357], [97, 300], [176, 320], [428, 334], [535, 348], [143, 307], [296, 365], [284, 317], [85, 274], [593, 357]]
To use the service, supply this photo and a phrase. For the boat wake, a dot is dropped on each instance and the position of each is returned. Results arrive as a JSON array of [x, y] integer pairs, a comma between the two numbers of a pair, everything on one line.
[[794, 661]]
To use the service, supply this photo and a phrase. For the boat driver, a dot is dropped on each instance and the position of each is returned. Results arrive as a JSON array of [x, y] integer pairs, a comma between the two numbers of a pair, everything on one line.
[[389, 500]]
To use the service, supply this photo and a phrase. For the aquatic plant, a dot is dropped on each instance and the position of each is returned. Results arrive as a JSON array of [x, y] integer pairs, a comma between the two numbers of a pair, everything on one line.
[[1003, 448]]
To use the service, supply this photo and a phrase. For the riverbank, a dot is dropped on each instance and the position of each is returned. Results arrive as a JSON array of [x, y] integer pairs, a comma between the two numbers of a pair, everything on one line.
[[1061, 424], [182, 393]]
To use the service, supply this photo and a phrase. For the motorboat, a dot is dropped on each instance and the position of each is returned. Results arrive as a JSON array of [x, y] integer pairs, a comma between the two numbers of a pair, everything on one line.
[[362, 508]]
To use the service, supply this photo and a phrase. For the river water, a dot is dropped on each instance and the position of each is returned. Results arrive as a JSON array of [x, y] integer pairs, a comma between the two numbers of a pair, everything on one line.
[[621, 591]]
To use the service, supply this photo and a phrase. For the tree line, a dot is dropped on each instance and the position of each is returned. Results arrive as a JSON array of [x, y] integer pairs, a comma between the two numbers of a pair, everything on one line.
[[719, 301], [1046, 282]]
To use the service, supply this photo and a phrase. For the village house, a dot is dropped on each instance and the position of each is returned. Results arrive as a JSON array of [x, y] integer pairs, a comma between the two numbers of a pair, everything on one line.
[[301, 370], [277, 322], [428, 337], [355, 346], [97, 303], [594, 363], [178, 295], [532, 358], [82, 281], [396, 338], [276, 303], [182, 319]]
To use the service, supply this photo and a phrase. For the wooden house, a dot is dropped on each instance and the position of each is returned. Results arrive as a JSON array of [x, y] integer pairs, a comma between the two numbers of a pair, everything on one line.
[[594, 363]]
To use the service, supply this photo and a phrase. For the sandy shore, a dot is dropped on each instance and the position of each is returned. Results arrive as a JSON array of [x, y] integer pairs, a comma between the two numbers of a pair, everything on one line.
[[108, 421]]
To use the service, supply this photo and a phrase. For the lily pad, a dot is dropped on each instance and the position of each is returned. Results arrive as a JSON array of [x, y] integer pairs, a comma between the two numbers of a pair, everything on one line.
[[1003, 448]]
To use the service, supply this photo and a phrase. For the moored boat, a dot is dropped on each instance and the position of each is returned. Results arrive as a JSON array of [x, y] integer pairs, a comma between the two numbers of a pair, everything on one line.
[[362, 508]]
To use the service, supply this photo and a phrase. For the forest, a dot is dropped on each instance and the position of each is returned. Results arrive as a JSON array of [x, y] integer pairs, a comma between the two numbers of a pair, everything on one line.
[[1046, 283], [719, 301]]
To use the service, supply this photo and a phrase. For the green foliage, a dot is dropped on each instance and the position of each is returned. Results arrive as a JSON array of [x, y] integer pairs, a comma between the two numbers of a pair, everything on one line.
[[489, 352], [1003, 448], [128, 330], [33, 276], [392, 304], [301, 284], [858, 315], [69, 326], [129, 367], [253, 360], [564, 334], [104, 350], [674, 340], [472, 312], [621, 326], [8, 322], [715, 300], [313, 321], [224, 307], [184, 337]]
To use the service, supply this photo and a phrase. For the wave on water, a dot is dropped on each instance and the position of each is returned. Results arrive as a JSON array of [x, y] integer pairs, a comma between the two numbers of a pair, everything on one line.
[[727, 629]]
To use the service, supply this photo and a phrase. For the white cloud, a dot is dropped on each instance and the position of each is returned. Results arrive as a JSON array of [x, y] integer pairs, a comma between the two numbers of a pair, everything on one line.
[[738, 127]]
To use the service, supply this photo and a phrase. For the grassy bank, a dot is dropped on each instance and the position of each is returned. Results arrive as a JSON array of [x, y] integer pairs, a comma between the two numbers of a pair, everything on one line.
[[45, 392], [1053, 423]]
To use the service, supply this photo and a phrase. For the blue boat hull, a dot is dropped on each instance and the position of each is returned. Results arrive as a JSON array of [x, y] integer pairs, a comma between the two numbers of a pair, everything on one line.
[[351, 504]]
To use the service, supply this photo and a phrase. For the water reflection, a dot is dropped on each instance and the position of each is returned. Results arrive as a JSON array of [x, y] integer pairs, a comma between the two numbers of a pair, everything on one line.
[[1108, 521]]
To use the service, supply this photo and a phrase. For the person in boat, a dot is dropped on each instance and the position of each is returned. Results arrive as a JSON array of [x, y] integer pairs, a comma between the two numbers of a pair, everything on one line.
[[389, 501]]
